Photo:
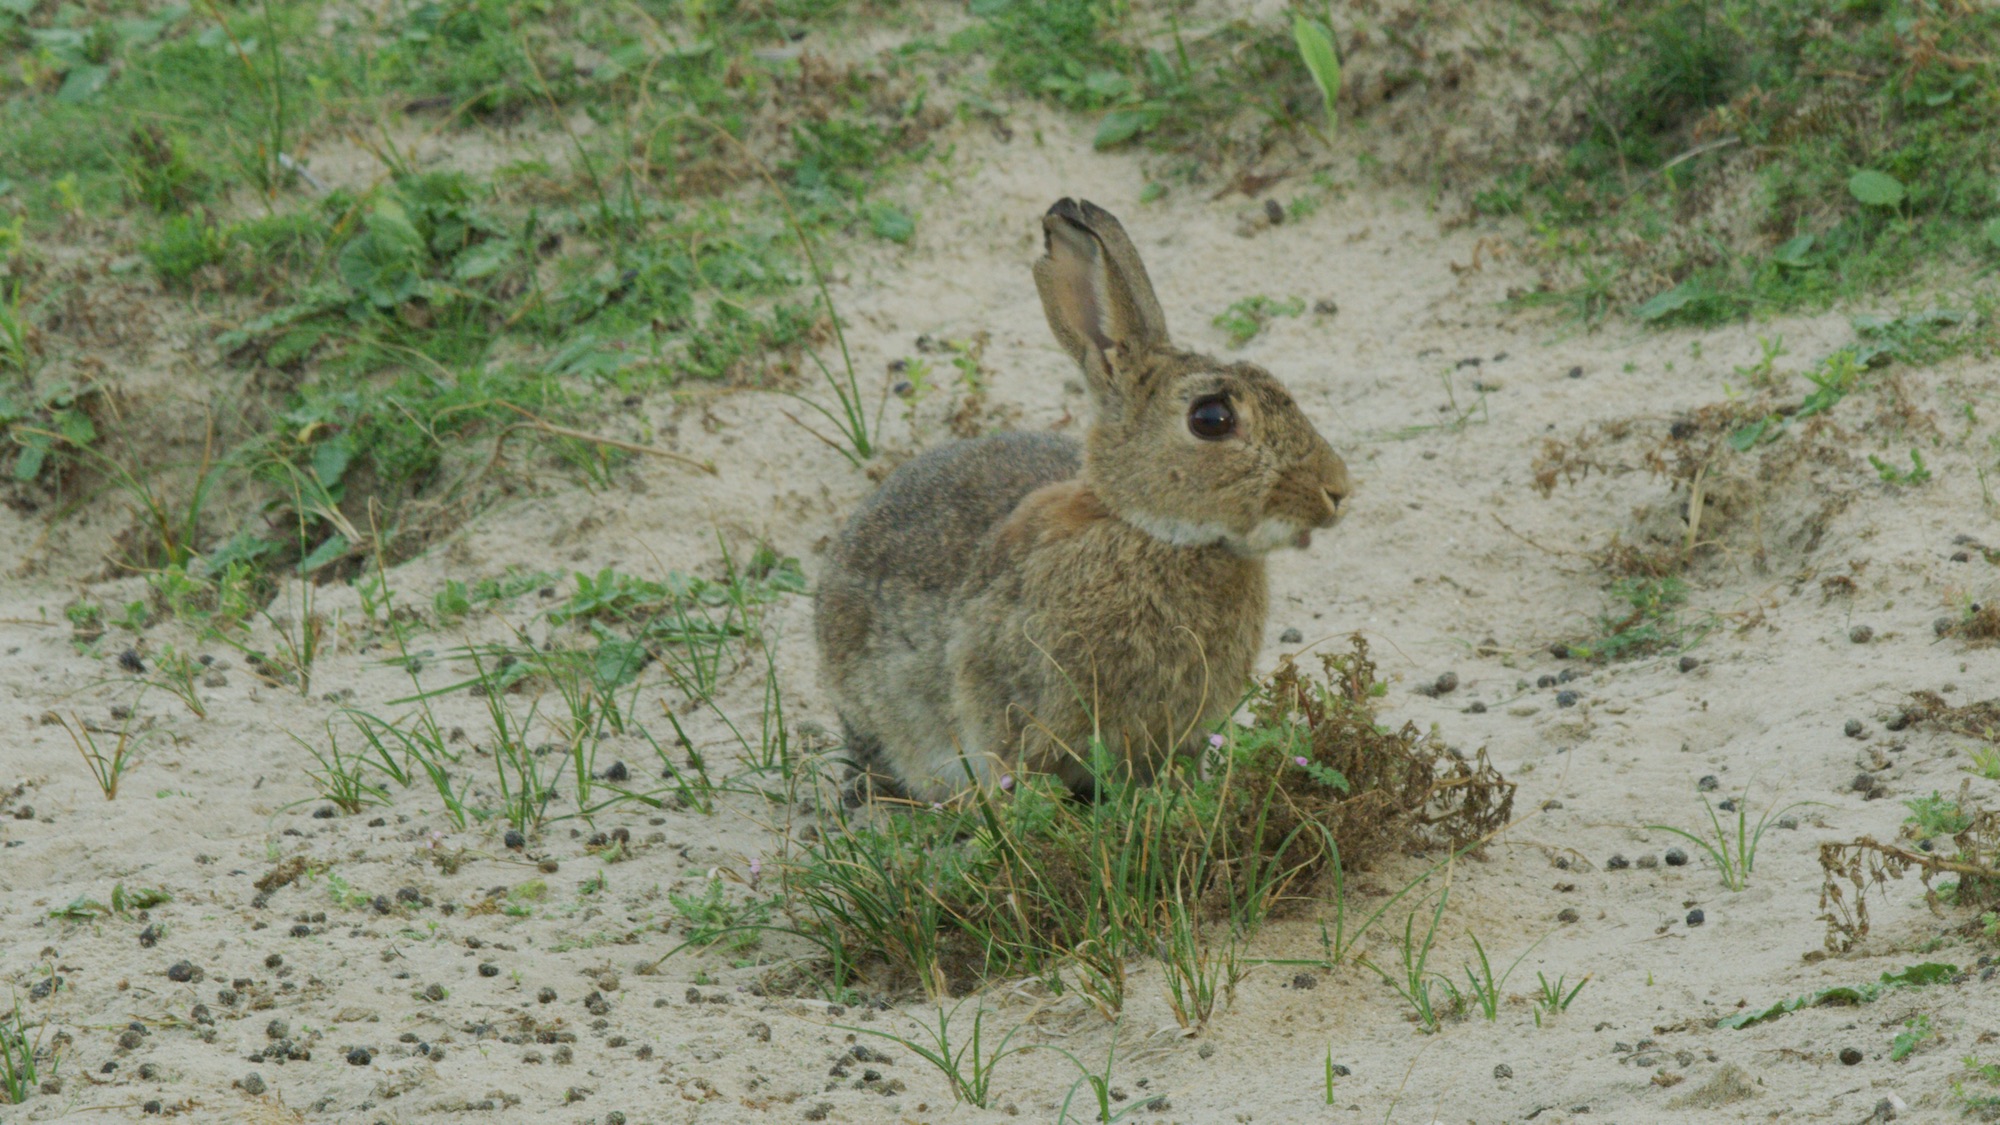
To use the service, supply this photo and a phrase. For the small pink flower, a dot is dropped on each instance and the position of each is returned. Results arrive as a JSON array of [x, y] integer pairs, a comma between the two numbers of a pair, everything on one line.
[[1301, 761], [756, 868], [1215, 740], [1006, 781], [937, 806]]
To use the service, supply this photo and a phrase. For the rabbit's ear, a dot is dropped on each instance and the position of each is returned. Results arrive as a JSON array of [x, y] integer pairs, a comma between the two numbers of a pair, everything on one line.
[[1094, 288]]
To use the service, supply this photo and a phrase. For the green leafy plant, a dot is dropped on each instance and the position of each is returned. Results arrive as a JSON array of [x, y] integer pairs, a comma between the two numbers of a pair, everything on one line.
[[1316, 50], [1734, 855], [712, 916], [107, 766], [1650, 621], [968, 1067], [1553, 997], [1482, 986], [1916, 1032], [1936, 815], [1917, 473], [1431, 995], [1246, 318], [20, 1056], [1913, 976]]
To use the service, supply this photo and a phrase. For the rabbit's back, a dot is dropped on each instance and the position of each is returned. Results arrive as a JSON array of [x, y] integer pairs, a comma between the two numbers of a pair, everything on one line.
[[884, 608]]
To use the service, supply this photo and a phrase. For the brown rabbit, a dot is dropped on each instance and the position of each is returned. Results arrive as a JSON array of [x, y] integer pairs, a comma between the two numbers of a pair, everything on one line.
[[1000, 602]]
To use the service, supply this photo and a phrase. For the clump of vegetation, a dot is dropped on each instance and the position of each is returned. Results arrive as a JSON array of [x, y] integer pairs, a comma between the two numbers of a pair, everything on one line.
[[1026, 880], [1723, 464], [1964, 873], [1246, 318]]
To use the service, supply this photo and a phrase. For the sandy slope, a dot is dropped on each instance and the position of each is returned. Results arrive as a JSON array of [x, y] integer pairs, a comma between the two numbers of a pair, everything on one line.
[[1422, 566]]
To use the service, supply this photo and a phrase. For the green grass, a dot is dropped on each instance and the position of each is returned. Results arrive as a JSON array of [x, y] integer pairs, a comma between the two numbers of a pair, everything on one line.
[[1734, 853], [1023, 880], [1647, 618], [1858, 133], [399, 328]]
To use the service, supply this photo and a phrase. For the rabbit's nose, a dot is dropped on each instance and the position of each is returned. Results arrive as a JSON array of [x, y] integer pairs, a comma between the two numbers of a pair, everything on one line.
[[1336, 490]]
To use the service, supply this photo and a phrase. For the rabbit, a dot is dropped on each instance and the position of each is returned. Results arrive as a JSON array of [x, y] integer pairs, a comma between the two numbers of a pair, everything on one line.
[[999, 602]]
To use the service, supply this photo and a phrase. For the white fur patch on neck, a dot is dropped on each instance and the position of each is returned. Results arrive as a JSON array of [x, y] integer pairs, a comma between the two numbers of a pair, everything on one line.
[[1179, 532], [1271, 532]]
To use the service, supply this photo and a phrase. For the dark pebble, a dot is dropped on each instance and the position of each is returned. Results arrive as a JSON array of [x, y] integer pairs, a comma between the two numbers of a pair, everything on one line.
[[1477, 708], [379, 822], [1566, 699], [1503, 1070], [251, 1084], [359, 1056], [1901, 720], [1708, 784], [1649, 862], [382, 904], [325, 812], [408, 894], [1291, 637], [1676, 858], [129, 660], [277, 1029], [489, 969], [1340, 1071], [434, 992], [1689, 663], [1728, 804], [148, 936], [546, 995], [130, 1040], [515, 840], [1696, 917], [181, 972], [1941, 626], [1566, 675], [1849, 1056], [760, 1031], [1559, 651], [1545, 681], [151, 1106], [1861, 634], [1863, 782], [1568, 914], [1854, 728], [1576, 372], [1305, 981], [1617, 863], [1788, 822], [302, 930], [1447, 683]]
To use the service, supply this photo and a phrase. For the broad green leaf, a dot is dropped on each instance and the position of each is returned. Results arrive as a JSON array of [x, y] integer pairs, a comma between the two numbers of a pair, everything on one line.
[[1992, 232], [1671, 301], [330, 459], [891, 222], [1876, 189], [483, 260], [1317, 51], [82, 83], [384, 263], [1121, 125], [334, 547], [1793, 254]]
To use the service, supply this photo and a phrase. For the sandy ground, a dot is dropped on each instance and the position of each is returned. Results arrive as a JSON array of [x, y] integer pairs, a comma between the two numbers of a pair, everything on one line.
[[313, 1002]]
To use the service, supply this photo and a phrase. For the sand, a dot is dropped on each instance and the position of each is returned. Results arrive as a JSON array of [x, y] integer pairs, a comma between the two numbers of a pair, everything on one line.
[[351, 994]]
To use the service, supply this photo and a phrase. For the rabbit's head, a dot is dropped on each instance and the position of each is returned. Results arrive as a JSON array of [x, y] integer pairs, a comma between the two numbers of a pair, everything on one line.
[[1183, 446]]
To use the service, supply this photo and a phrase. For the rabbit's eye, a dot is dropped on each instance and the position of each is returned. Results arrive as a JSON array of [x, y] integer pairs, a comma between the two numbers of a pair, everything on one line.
[[1211, 419]]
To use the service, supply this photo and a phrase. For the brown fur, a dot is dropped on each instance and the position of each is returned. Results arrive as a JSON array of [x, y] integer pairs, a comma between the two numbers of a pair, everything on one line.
[[1001, 602]]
